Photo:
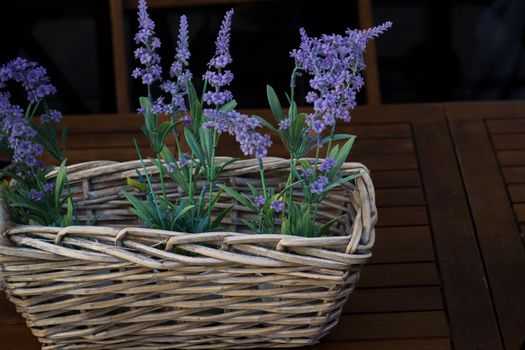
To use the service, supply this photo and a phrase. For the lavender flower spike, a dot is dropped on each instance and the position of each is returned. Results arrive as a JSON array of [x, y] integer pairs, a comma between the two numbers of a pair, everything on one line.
[[215, 75], [148, 44], [178, 88], [335, 63]]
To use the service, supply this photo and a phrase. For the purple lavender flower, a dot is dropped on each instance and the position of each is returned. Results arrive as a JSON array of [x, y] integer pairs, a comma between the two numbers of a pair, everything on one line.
[[335, 63], [184, 159], [327, 165], [307, 172], [284, 124], [319, 185], [49, 187], [277, 205], [244, 129], [178, 88], [30, 75], [159, 107], [19, 133], [170, 167], [35, 195], [52, 116], [217, 78], [259, 201], [148, 44]]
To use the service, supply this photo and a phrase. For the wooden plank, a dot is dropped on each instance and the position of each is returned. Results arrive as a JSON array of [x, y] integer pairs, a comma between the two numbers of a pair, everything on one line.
[[132, 4], [397, 344], [395, 300], [512, 158], [8, 314], [396, 178], [402, 216], [472, 320], [397, 325], [18, 336], [399, 275], [497, 230], [120, 63], [374, 162], [509, 141], [375, 131], [402, 244], [403, 196], [388, 146], [371, 74], [506, 126], [517, 193], [519, 209], [513, 174]]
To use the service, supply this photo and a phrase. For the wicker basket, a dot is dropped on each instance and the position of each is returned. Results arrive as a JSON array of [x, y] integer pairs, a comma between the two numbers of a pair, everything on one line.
[[109, 287]]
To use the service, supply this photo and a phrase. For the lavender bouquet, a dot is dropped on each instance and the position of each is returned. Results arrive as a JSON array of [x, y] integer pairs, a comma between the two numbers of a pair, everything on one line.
[[32, 198], [334, 64]]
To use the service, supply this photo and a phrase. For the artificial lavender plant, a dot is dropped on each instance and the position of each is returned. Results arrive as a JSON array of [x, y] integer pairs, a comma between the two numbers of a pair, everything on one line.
[[334, 64], [31, 196]]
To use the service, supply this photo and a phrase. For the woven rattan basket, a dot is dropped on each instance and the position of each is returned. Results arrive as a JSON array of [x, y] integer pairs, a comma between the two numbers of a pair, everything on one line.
[[119, 286]]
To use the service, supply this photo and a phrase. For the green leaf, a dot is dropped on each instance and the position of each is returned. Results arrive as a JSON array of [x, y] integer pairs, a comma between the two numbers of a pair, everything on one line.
[[251, 225], [292, 111], [183, 212], [323, 231], [144, 212], [228, 107], [136, 184], [60, 181], [265, 123], [221, 216], [337, 137], [341, 156], [275, 105], [194, 145], [238, 197], [68, 219], [343, 180], [225, 164], [205, 139]]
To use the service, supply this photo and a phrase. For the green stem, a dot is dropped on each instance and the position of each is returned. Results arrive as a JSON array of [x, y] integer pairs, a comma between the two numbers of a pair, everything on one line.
[[211, 170], [332, 133], [176, 136], [148, 180], [161, 175], [263, 183]]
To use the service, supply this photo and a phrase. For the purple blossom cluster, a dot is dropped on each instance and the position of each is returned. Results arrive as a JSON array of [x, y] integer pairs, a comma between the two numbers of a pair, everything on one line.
[[35, 195], [18, 133], [30, 75], [259, 201], [243, 127], [216, 76], [49, 187], [277, 205], [335, 63], [51, 116], [146, 53], [319, 185], [179, 72], [327, 165]]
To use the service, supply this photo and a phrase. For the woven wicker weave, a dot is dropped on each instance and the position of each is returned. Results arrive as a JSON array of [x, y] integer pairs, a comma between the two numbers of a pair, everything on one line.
[[108, 287]]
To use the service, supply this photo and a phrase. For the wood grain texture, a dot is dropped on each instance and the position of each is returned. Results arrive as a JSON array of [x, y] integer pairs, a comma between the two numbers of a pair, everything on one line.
[[473, 323], [497, 229]]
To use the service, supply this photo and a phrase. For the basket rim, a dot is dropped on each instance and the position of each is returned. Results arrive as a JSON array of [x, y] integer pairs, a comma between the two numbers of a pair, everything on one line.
[[364, 223]]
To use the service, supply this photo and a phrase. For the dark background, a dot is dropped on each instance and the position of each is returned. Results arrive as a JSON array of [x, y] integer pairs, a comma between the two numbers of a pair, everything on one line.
[[436, 50]]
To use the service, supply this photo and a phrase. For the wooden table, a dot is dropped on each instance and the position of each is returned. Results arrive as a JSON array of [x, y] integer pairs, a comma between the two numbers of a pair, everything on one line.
[[449, 263]]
